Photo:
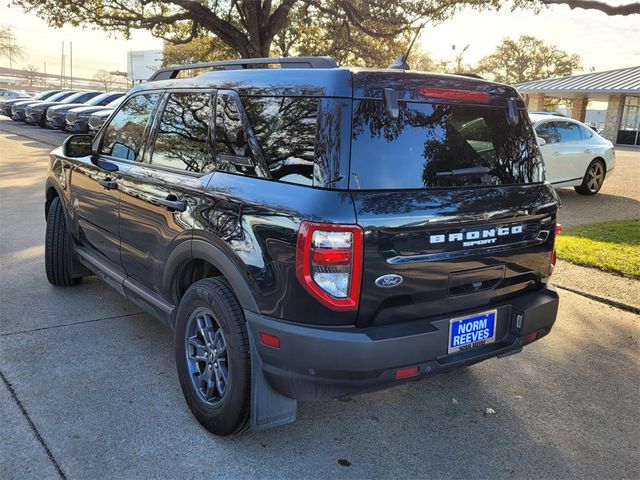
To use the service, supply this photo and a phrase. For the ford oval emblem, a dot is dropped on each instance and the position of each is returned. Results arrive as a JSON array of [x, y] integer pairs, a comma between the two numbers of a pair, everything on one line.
[[389, 281]]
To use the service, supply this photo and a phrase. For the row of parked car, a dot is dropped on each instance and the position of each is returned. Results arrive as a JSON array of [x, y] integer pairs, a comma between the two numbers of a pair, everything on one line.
[[67, 110]]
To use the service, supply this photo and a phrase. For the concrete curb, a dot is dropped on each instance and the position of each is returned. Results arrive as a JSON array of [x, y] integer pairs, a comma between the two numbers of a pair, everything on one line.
[[597, 298]]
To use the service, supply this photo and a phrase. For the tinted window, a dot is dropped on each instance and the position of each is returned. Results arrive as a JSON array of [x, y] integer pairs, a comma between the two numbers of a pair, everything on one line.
[[233, 153], [548, 132], [182, 140], [124, 135], [59, 96], [285, 128], [80, 97], [428, 144], [569, 132], [103, 99]]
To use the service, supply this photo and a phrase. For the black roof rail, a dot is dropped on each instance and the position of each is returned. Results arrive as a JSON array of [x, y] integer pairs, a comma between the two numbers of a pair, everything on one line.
[[242, 63]]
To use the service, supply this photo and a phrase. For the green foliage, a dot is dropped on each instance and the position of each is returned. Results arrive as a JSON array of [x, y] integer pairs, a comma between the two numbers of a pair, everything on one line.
[[358, 32], [525, 59], [610, 246]]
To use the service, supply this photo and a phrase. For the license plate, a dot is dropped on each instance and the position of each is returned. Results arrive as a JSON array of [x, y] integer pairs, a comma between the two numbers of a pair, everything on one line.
[[472, 331]]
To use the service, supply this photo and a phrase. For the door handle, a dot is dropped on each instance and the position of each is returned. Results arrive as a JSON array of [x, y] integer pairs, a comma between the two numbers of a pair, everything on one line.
[[588, 150], [172, 203], [556, 154], [108, 184]]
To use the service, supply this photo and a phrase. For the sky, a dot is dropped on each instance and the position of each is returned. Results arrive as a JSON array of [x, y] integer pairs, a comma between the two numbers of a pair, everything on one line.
[[602, 42]]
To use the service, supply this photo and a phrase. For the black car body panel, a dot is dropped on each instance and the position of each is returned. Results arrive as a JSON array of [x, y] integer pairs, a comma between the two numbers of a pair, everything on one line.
[[36, 114], [277, 161]]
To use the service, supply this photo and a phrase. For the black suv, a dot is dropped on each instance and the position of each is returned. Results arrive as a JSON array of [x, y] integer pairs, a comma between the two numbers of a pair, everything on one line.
[[311, 231]]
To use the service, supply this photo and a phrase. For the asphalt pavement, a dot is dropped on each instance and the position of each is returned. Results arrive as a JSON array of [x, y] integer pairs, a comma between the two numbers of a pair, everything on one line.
[[88, 389]]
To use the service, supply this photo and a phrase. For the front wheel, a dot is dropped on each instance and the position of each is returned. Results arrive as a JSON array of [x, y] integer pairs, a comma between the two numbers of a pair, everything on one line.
[[593, 179], [58, 248], [213, 356]]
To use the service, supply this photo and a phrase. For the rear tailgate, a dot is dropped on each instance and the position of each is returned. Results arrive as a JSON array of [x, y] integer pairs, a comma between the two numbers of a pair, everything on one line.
[[455, 249]]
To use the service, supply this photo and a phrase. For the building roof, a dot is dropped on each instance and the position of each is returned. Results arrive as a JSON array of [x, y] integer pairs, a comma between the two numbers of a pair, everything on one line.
[[597, 84]]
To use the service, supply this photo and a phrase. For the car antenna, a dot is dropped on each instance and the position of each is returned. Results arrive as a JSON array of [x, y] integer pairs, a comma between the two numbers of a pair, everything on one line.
[[401, 62]]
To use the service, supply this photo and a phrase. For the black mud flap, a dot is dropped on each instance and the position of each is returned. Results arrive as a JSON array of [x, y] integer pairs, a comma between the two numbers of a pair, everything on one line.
[[268, 408]]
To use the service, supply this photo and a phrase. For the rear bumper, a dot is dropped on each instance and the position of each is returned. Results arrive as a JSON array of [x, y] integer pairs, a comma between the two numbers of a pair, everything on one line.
[[315, 363]]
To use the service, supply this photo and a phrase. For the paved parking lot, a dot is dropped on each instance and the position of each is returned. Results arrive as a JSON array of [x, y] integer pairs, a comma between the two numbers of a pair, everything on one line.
[[89, 387]]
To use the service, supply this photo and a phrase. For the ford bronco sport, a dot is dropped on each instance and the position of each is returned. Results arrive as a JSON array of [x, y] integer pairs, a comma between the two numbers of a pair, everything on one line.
[[310, 231]]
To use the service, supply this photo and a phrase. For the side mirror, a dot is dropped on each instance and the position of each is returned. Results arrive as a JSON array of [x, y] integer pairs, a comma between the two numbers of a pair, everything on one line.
[[78, 146], [541, 141]]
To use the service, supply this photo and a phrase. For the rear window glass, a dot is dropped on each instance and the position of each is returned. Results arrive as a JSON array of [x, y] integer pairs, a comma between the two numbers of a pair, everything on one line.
[[285, 128], [440, 145]]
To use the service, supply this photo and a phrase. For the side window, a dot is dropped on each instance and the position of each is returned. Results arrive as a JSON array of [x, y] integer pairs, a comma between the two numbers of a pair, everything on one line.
[[569, 132], [285, 128], [233, 153], [124, 134], [182, 141], [585, 132], [548, 132]]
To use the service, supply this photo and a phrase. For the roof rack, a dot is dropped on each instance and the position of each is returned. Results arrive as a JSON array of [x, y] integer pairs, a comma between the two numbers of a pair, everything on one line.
[[242, 63]]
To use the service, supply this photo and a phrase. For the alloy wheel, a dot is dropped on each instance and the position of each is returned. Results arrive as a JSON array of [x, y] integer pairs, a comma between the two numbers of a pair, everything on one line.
[[595, 177], [206, 350]]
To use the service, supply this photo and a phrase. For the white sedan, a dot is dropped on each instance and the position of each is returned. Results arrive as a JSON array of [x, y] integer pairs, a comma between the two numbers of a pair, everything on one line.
[[574, 155]]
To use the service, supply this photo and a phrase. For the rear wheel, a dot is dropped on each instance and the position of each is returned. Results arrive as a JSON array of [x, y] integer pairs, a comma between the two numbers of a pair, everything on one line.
[[213, 357], [593, 178], [58, 248]]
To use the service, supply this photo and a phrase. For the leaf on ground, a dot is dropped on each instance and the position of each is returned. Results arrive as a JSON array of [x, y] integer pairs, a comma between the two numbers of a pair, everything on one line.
[[343, 462], [488, 411]]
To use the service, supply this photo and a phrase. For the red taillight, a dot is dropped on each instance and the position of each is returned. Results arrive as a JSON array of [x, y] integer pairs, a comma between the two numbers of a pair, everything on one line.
[[558, 229], [407, 372], [269, 340], [329, 263], [552, 264], [452, 94], [532, 337]]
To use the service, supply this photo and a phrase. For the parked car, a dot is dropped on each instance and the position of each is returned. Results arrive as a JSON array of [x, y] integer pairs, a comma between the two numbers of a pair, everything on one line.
[[97, 119], [5, 107], [77, 119], [574, 155], [37, 114], [6, 95], [56, 115], [311, 233], [19, 109]]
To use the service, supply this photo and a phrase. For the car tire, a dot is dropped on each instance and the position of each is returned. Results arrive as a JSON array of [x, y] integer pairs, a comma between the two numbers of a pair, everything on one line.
[[213, 357], [59, 257], [593, 178]]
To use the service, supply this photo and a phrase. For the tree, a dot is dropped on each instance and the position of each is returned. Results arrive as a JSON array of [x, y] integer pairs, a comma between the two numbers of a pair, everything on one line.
[[8, 46], [251, 27], [30, 73], [525, 59], [105, 80], [628, 9]]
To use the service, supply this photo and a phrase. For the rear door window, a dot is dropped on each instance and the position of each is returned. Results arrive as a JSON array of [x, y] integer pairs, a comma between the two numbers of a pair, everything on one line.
[[440, 145], [285, 128], [182, 141], [568, 131], [124, 135]]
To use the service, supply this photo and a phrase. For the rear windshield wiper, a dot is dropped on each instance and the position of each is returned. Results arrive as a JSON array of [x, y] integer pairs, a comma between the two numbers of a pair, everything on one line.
[[464, 171]]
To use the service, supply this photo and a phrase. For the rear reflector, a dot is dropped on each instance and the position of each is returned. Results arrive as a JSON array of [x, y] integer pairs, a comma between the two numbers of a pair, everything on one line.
[[269, 340], [532, 337], [407, 372], [452, 94]]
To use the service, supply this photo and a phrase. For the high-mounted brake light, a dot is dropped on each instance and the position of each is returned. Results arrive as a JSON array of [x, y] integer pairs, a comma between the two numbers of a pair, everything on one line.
[[453, 94], [329, 263]]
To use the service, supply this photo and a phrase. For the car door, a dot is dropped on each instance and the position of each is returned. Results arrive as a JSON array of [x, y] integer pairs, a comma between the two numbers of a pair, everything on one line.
[[563, 150], [95, 190], [160, 194]]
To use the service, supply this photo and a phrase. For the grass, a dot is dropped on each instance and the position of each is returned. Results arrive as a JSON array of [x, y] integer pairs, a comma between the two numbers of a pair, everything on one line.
[[609, 246]]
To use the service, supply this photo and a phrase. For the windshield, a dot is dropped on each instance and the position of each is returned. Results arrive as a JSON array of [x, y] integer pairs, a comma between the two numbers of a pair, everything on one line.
[[116, 102], [59, 96], [98, 99], [440, 145]]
